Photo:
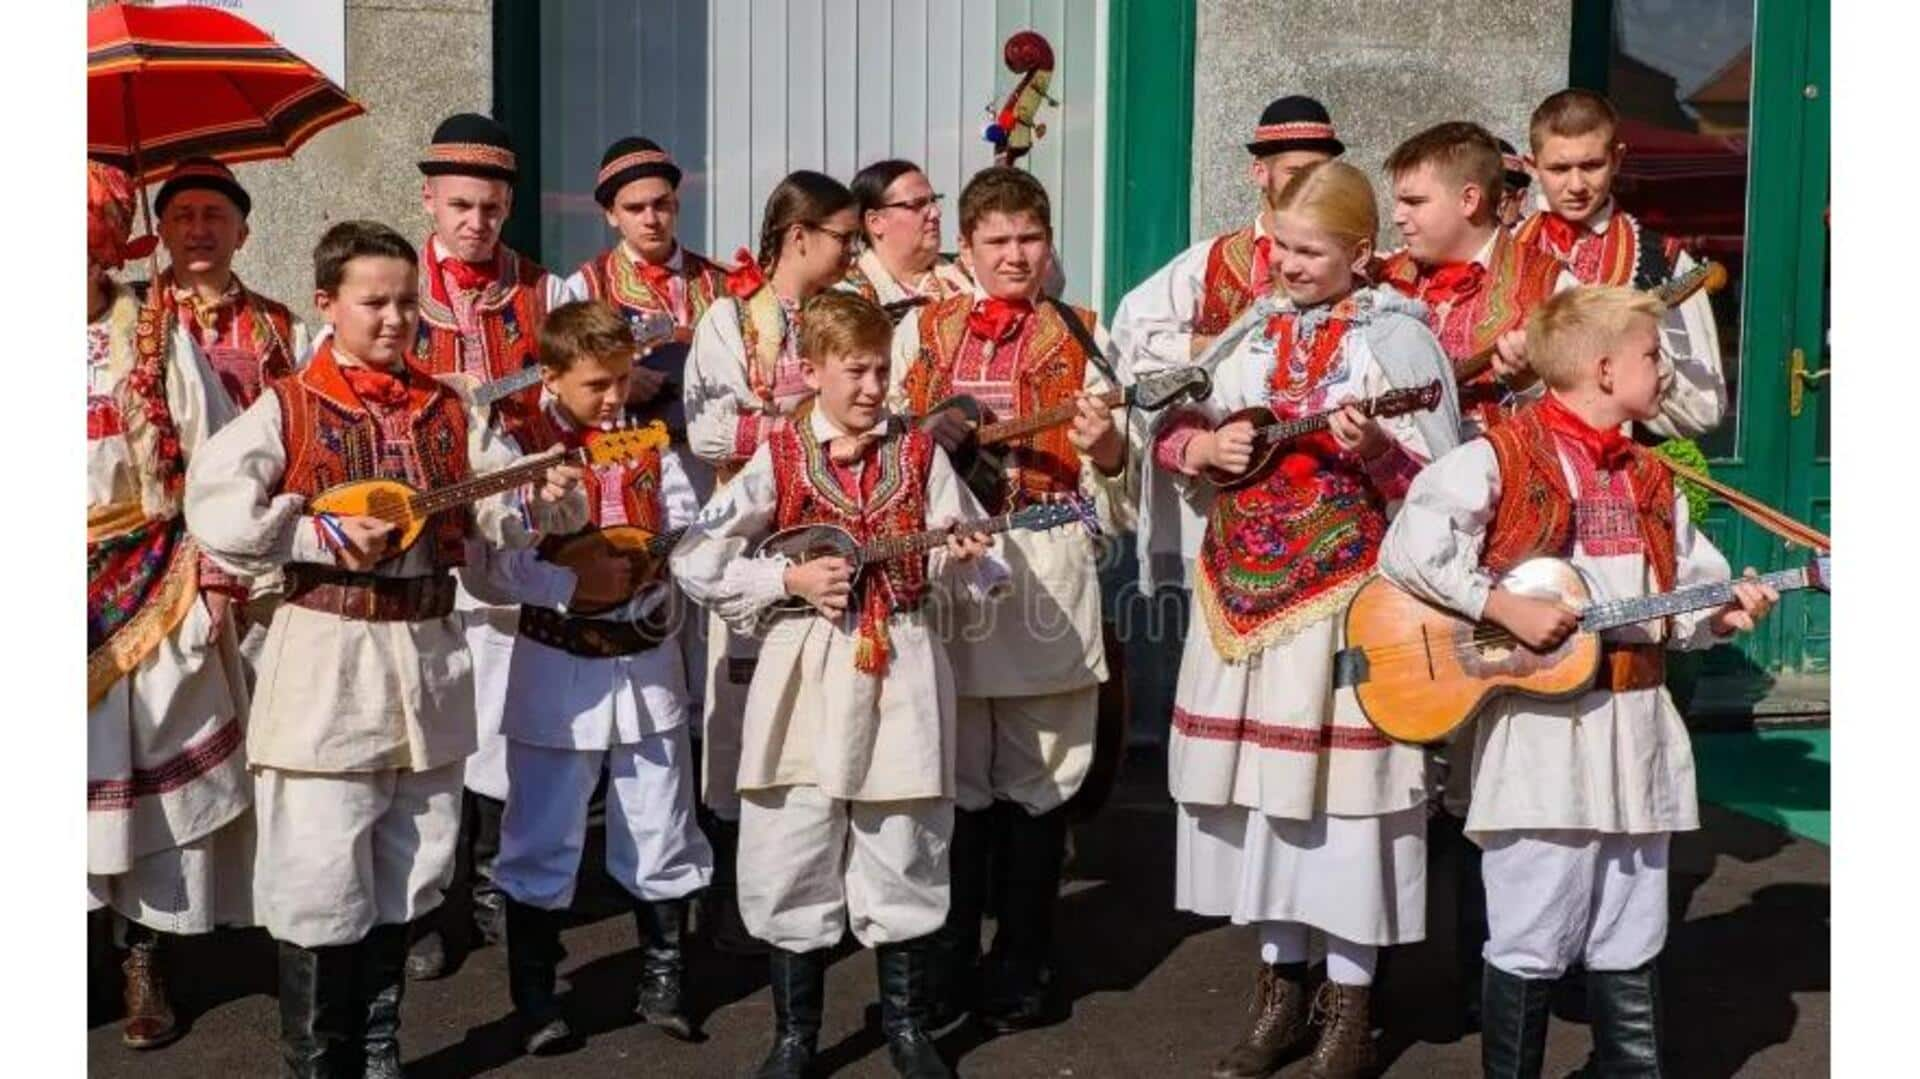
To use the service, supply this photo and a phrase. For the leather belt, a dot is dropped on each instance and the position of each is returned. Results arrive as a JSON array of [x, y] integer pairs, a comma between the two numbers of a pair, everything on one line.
[[368, 597], [589, 638], [1632, 666]]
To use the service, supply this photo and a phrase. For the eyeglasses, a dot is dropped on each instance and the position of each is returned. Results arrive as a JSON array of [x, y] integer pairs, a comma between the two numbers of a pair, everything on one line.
[[915, 206], [852, 241]]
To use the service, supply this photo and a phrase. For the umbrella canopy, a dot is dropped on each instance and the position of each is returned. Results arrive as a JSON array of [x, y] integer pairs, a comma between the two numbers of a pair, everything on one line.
[[168, 83]]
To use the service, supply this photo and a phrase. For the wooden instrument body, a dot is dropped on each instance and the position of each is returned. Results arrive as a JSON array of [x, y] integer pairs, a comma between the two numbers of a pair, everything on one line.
[[1265, 451], [390, 500], [805, 543], [1428, 670], [581, 550]]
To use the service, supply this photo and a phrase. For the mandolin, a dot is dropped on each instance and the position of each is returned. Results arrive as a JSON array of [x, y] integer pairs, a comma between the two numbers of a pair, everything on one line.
[[652, 330], [1420, 672], [645, 551], [1270, 434], [409, 510], [981, 460], [1709, 275], [808, 542]]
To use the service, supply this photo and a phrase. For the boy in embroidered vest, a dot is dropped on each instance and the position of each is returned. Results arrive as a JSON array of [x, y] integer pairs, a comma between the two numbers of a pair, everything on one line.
[[744, 376], [481, 304], [587, 693], [1478, 285], [169, 838], [1028, 685], [1577, 152], [902, 266], [846, 776], [248, 339], [1173, 316], [363, 709], [1294, 813], [1573, 801]]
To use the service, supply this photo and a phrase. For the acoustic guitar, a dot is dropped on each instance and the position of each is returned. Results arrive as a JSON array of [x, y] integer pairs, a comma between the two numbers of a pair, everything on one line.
[[1708, 275], [645, 551], [654, 336], [409, 510], [1421, 672], [981, 460], [809, 542], [1270, 435]]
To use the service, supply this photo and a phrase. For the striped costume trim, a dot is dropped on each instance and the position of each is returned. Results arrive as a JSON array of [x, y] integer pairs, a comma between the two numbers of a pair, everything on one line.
[[111, 795], [1277, 736], [626, 161], [1294, 129], [471, 153]]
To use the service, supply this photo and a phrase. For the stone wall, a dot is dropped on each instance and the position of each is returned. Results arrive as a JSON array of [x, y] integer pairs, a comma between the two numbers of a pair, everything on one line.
[[1384, 69]]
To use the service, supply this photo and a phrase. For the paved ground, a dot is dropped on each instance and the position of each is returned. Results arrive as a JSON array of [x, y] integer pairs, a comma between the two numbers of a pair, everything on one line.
[[1152, 993]]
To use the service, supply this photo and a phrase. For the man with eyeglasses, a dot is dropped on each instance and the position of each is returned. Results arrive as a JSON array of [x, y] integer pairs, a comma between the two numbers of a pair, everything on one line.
[[900, 220]]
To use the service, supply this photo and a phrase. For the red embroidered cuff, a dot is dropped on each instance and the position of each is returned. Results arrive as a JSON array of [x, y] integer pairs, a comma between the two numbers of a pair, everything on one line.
[[215, 579], [746, 435], [1170, 446], [1393, 472]]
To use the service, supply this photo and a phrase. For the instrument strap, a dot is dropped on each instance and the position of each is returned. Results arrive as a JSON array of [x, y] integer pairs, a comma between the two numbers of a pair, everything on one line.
[[1768, 518]]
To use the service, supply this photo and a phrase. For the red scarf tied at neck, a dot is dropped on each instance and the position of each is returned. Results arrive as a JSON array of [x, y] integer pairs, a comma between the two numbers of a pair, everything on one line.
[[1261, 276], [996, 319], [384, 389], [1561, 234], [1609, 449], [470, 276], [1452, 283], [746, 277]]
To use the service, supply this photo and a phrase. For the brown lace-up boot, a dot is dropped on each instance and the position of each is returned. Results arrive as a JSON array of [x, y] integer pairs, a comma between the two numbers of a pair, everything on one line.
[[1279, 1024], [149, 1023], [1345, 1049]]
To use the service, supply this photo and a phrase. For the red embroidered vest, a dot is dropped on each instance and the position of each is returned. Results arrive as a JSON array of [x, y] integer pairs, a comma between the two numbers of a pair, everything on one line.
[[1626, 253], [1227, 283], [330, 438], [1535, 513], [1041, 367], [509, 312], [253, 342], [637, 479], [891, 501], [613, 278]]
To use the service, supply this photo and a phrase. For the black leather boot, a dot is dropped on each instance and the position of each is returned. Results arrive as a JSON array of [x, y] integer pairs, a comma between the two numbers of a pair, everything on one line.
[[1015, 974], [319, 1011], [798, 981], [489, 911], [382, 982], [1513, 1024], [956, 946], [662, 925], [1625, 1013], [533, 957], [1470, 911], [1279, 1024], [906, 981], [720, 902], [149, 1021]]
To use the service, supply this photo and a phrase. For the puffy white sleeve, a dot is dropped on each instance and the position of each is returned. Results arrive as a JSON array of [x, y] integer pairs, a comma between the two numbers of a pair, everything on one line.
[[1432, 548], [1153, 326], [714, 563], [515, 518], [1696, 561], [719, 430], [1694, 388], [195, 399], [575, 287], [1113, 496], [231, 507]]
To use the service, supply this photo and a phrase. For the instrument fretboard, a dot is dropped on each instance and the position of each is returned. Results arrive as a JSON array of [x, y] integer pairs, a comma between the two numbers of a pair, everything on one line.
[[1626, 612]]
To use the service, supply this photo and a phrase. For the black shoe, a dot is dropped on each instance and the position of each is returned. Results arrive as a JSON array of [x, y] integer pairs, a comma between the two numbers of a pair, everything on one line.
[[956, 947], [149, 1022], [488, 916], [533, 956], [1016, 975], [382, 983], [1625, 1010], [427, 958], [797, 981], [906, 981], [319, 1010], [662, 926], [1513, 1024]]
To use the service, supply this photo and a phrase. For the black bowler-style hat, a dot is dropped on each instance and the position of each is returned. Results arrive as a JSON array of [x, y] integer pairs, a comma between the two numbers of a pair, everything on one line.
[[202, 174], [629, 159], [469, 144], [1295, 122]]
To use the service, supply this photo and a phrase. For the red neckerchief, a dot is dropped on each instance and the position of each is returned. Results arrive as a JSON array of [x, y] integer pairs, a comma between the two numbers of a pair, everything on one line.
[[471, 276], [385, 389], [1452, 283], [997, 320], [1560, 234], [658, 277], [746, 277], [1261, 276], [1609, 448]]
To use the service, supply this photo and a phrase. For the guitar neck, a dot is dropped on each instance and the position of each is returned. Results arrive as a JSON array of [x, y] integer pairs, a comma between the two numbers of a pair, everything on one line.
[[1626, 612], [473, 490], [891, 547], [1007, 430], [506, 387]]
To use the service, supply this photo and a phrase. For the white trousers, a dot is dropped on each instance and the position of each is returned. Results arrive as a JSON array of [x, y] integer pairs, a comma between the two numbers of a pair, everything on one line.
[[811, 865], [654, 849], [1557, 896], [1033, 751], [342, 852]]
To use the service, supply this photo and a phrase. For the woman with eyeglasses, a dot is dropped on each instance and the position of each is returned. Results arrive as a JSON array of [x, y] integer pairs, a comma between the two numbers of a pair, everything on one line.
[[900, 218], [743, 377]]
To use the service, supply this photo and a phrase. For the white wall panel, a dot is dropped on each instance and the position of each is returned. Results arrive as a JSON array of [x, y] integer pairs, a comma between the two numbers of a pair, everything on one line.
[[742, 92]]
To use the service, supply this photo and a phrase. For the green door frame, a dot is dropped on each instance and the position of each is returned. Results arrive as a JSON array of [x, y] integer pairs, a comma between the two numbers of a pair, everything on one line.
[[1150, 48], [1774, 458]]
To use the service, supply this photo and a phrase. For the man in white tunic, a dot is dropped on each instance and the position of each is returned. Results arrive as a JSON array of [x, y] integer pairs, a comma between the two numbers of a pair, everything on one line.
[[846, 774], [1029, 680], [169, 835], [1573, 801], [362, 716]]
